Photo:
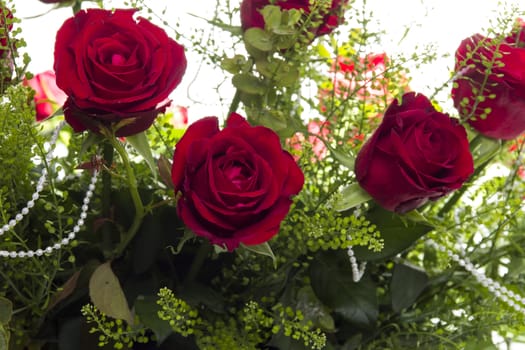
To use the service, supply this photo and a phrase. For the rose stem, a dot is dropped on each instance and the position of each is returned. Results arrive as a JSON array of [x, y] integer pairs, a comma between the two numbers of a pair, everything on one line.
[[235, 102], [202, 253], [106, 198], [132, 184]]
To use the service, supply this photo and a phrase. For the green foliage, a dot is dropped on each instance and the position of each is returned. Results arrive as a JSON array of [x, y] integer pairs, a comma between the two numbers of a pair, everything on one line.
[[116, 332]]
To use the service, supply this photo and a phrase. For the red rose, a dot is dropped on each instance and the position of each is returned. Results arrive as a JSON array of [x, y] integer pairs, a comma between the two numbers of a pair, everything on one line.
[[500, 113], [48, 97], [416, 154], [115, 68], [236, 183], [251, 16]]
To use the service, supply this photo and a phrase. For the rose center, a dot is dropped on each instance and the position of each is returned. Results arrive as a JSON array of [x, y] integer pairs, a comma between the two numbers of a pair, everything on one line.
[[236, 172], [117, 59]]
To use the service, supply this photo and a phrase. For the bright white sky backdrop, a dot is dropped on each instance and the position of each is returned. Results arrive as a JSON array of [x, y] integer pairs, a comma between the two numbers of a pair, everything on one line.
[[445, 22]]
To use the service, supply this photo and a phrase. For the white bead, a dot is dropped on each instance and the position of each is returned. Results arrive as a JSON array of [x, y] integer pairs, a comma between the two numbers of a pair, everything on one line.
[[76, 229], [5, 228], [83, 215], [89, 194], [35, 197], [64, 242], [39, 188], [56, 246], [80, 222], [30, 253], [4, 253], [31, 204], [13, 255], [49, 250], [71, 236], [22, 254], [19, 217], [12, 223], [84, 207], [39, 252], [91, 188], [25, 211]]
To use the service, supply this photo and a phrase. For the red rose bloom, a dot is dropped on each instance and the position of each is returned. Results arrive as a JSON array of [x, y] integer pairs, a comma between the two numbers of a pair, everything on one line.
[[236, 183], [48, 97], [416, 154], [251, 16], [500, 113], [114, 67]]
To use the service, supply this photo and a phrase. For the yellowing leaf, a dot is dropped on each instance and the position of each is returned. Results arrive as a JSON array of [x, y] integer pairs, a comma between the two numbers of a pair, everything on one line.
[[107, 295]]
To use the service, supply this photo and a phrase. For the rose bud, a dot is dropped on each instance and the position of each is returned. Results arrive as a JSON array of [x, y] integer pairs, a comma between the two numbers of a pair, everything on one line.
[[48, 97], [251, 16], [115, 69], [415, 155], [236, 183], [492, 99]]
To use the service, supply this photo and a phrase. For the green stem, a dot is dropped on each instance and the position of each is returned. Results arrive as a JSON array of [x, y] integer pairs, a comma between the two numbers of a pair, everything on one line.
[[235, 102], [202, 253], [135, 197], [106, 199]]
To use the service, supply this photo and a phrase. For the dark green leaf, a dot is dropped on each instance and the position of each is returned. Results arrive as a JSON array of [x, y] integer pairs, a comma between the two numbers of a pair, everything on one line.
[[281, 341], [314, 310], [146, 308], [4, 338], [6, 310], [407, 284], [331, 278], [398, 233]]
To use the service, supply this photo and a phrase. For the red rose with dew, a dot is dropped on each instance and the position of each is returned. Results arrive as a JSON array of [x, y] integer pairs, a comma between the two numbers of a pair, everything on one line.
[[489, 90], [48, 97], [415, 155], [117, 70], [236, 183], [330, 17]]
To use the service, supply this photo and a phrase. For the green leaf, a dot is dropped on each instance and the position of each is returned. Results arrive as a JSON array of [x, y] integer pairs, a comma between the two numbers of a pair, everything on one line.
[[262, 249], [345, 160], [351, 196], [249, 84], [233, 65], [272, 16], [107, 294], [281, 72], [483, 149], [407, 284], [91, 139], [146, 308], [398, 233], [314, 310], [259, 39], [4, 338], [6, 310], [331, 278], [141, 144]]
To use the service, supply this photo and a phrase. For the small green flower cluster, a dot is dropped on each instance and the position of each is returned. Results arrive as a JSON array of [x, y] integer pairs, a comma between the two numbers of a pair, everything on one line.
[[112, 331], [182, 318]]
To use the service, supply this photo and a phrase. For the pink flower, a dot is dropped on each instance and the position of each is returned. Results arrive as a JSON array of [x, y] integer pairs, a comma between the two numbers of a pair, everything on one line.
[[48, 96]]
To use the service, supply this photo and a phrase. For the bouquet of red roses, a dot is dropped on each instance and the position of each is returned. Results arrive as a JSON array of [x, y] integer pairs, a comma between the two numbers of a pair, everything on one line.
[[327, 206]]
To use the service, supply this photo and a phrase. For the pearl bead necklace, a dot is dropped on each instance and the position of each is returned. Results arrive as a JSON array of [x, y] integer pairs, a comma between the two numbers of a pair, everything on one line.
[[513, 300], [357, 271], [31, 203]]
